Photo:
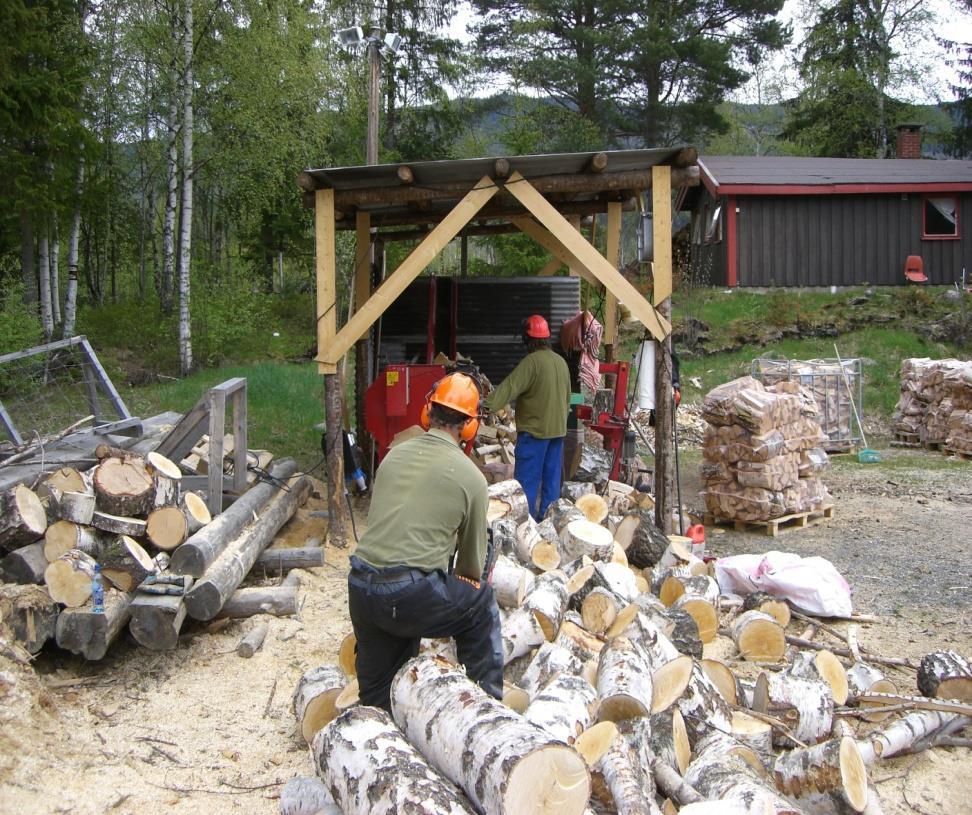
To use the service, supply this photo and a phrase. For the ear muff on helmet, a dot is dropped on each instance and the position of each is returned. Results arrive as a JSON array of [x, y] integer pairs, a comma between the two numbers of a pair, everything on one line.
[[424, 416], [469, 429]]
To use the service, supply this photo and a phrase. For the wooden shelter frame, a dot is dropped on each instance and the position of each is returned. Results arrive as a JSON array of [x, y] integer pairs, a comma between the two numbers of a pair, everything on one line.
[[543, 197]]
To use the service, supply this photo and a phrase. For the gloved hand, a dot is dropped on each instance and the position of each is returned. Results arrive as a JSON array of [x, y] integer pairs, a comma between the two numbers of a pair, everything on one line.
[[678, 397]]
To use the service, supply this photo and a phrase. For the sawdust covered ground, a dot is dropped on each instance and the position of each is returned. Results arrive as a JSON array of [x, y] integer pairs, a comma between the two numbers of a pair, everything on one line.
[[200, 731]]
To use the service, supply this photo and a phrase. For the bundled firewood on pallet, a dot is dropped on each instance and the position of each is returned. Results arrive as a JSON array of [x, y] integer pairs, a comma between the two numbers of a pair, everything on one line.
[[608, 704], [761, 452], [197, 461], [827, 385], [160, 555], [935, 404]]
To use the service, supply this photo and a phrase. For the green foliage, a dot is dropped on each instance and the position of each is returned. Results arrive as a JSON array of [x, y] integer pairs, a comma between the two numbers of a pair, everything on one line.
[[19, 327]]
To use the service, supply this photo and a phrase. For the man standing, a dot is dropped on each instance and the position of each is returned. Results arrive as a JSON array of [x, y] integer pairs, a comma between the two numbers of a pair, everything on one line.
[[540, 384], [428, 504]]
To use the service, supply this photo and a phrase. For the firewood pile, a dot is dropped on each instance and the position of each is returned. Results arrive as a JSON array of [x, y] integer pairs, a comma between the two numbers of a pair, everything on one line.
[[762, 454], [494, 448], [828, 382], [162, 557], [935, 406], [609, 704]]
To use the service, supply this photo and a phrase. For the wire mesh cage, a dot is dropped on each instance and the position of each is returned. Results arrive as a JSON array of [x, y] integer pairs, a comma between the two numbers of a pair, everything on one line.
[[832, 382]]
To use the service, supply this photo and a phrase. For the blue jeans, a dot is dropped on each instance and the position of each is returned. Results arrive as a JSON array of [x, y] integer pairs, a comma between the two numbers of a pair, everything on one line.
[[537, 468]]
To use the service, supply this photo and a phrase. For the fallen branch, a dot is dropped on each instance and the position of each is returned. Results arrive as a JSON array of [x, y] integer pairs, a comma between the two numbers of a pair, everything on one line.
[[918, 702], [772, 721], [845, 652], [27, 450]]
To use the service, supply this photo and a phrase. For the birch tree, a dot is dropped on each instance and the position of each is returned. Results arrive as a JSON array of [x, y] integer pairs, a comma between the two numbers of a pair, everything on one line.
[[185, 237]]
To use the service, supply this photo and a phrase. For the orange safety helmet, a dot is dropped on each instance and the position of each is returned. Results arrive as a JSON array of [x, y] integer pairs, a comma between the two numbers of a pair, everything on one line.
[[458, 392], [536, 326]]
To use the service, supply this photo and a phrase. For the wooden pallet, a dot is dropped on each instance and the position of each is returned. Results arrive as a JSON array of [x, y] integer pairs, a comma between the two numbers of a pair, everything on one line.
[[776, 526], [934, 445], [906, 440], [959, 454]]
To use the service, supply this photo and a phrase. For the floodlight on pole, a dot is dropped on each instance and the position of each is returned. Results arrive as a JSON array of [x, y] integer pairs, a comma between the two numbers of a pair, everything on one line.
[[391, 45], [351, 36]]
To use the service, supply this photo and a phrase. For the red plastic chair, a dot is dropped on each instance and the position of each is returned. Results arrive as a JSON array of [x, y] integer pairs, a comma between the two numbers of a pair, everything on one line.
[[915, 270]]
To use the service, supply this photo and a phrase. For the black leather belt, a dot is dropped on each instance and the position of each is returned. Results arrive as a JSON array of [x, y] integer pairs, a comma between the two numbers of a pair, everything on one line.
[[400, 576]]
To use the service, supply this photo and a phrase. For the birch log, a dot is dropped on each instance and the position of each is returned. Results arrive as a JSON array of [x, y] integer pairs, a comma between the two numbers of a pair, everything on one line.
[[703, 611], [510, 582], [124, 563], [78, 507], [905, 732], [599, 609], [624, 681], [535, 550], [582, 537], [68, 579], [643, 542], [157, 620], [307, 796], [593, 507], [387, 777], [634, 624], [502, 762], [22, 518], [668, 739], [946, 675], [123, 487], [314, 698], [824, 666], [118, 524], [507, 500], [551, 659], [83, 631], [834, 766], [521, 633], [758, 637], [724, 679], [803, 705], [167, 528], [547, 600], [62, 536], [618, 779], [683, 683], [561, 512], [768, 604], [862, 679], [564, 708]]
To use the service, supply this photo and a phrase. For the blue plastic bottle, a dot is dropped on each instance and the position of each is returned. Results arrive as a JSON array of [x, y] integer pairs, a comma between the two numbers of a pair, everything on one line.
[[98, 591]]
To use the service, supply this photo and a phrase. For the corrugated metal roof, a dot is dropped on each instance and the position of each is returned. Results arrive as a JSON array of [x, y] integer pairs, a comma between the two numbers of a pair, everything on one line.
[[795, 170], [472, 169]]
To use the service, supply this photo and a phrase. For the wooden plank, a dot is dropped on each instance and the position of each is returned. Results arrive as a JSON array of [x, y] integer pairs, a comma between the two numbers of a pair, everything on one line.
[[91, 390], [239, 439], [325, 269], [613, 280], [543, 236], [410, 268], [661, 227], [188, 430], [217, 426], [362, 258], [552, 267], [612, 253], [40, 349], [113, 396], [131, 427]]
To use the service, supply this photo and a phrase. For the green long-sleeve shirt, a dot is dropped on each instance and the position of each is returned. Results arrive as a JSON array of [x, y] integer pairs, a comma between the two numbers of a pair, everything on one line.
[[540, 384], [429, 501]]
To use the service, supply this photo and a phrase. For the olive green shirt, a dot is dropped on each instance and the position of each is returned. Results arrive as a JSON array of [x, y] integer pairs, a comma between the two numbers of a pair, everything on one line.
[[540, 384], [429, 501]]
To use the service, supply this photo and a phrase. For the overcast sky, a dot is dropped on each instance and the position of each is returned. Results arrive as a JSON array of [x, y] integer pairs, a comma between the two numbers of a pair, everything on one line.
[[952, 24]]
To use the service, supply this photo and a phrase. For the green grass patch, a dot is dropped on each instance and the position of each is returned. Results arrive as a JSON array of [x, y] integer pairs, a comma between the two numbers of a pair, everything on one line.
[[284, 402]]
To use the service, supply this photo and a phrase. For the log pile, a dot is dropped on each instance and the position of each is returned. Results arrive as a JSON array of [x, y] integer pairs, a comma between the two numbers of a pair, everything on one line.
[[935, 406], [162, 558], [825, 383], [762, 452], [608, 706]]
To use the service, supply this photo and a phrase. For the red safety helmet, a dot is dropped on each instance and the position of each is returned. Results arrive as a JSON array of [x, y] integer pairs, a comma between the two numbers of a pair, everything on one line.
[[536, 326], [458, 392]]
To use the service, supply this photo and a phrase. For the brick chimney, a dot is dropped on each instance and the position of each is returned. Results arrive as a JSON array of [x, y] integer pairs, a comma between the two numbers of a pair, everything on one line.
[[909, 141]]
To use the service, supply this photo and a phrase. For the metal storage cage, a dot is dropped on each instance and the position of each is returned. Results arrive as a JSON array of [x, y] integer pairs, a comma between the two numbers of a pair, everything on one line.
[[831, 387]]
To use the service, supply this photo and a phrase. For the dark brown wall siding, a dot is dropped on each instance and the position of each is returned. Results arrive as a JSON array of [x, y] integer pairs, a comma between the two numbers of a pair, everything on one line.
[[841, 240]]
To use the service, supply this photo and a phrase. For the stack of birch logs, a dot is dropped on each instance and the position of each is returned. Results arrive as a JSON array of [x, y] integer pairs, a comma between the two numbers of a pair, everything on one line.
[[828, 382], [609, 705], [761, 453], [493, 450], [935, 406], [161, 556]]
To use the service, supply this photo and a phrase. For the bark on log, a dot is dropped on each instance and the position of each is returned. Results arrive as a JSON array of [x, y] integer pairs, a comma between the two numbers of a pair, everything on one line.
[[207, 596], [68, 579], [547, 600], [252, 641], [668, 740], [683, 683], [599, 609], [803, 705], [756, 734], [551, 659], [387, 778], [31, 614], [561, 512], [197, 513], [78, 507], [504, 763], [22, 518], [510, 582], [123, 487], [62, 536], [758, 637], [572, 490], [564, 708], [156, 620], [593, 506], [278, 560], [280, 601], [618, 780], [624, 681], [905, 732], [507, 500], [703, 611], [521, 633], [314, 697], [823, 666], [946, 675], [202, 549], [24, 565], [533, 549], [125, 564], [725, 771], [768, 604], [863, 678], [307, 796], [643, 542], [833, 766], [504, 537], [671, 783], [637, 626], [674, 586], [118, 524], [581, 537], [83, 631]]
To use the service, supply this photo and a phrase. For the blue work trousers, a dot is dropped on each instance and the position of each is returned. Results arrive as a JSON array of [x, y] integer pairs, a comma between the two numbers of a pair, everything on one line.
[[538, 464]]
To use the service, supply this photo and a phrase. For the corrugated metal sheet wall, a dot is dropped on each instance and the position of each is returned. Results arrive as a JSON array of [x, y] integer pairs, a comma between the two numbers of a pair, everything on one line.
[[490, 311], [843, 240]]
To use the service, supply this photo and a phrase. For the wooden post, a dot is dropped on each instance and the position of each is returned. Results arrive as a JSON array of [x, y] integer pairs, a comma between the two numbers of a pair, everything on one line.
[[363, 261], [612, 252], [661, 204]]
